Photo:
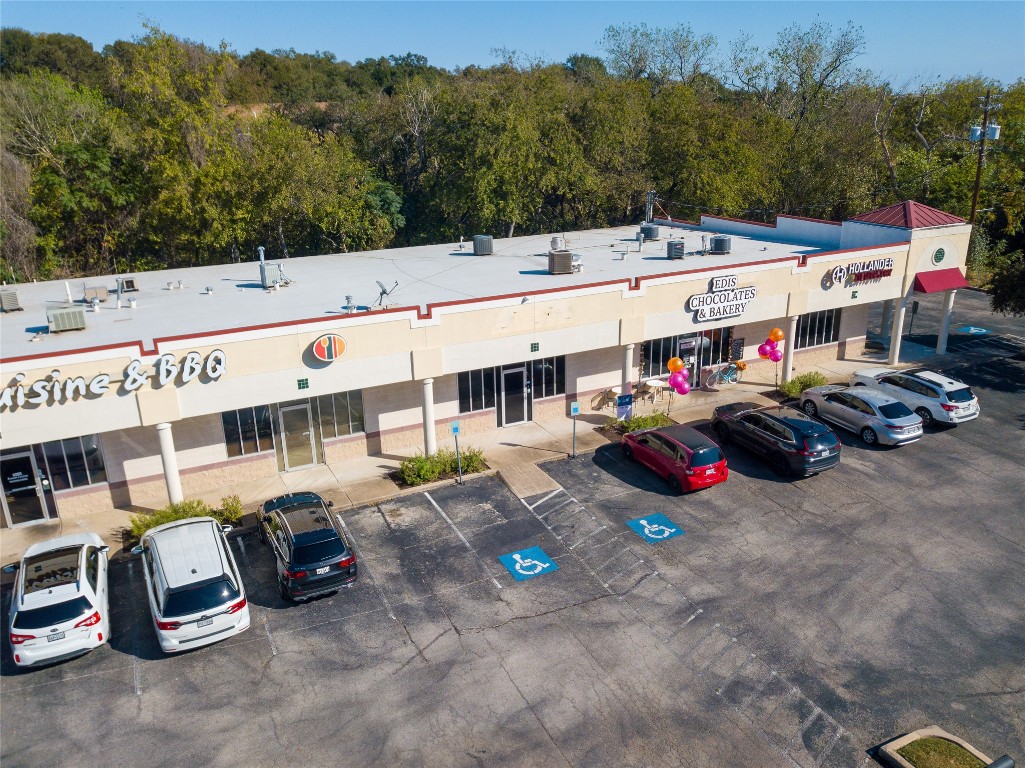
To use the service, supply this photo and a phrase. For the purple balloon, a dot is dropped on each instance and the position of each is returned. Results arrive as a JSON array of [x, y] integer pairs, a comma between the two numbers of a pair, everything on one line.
[[775, 355], [683, 389], [676, 379], [770, 344], [764, 350]]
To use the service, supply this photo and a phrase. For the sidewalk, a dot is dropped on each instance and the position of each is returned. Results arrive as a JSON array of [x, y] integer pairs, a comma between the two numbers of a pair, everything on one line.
[[365, 480]]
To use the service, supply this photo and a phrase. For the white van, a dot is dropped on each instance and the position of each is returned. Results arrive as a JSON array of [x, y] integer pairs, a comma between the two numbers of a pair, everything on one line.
[[195, 593]]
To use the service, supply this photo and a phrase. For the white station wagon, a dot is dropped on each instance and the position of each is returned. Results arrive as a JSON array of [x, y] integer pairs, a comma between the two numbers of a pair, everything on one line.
[[931, 395], [195, 593], [60, 605]]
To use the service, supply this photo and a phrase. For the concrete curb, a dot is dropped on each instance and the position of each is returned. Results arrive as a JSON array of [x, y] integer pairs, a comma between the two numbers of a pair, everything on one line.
[[889, 749]]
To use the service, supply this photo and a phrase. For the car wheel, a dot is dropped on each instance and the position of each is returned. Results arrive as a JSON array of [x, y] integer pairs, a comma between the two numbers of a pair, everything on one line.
[[722, 432], [628, 452], [859, 384], [283, 591], [869, 436], [809, 408], [780, 465], [674, 484], [926, 416]]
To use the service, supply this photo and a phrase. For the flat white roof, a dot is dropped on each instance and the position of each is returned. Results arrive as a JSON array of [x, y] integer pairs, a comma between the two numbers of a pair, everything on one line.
[[426, 275]]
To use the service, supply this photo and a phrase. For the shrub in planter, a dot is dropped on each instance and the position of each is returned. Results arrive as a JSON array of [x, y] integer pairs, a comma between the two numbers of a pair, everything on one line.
[[798, 384], [230, 513], [637, 422], [420, 469]]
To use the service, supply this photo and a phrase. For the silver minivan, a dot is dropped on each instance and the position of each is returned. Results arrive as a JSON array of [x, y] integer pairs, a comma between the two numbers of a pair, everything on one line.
[[196, 596]]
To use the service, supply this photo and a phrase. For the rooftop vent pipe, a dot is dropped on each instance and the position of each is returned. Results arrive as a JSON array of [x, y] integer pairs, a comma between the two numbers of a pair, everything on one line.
[[263, 269]]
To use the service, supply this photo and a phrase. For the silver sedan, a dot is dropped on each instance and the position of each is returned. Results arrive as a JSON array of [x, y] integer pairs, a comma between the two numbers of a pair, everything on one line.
[[875, 416]]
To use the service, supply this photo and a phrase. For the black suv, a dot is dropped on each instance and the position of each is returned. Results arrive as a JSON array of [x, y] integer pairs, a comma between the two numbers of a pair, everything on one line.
[[791, 441], [312, 555]]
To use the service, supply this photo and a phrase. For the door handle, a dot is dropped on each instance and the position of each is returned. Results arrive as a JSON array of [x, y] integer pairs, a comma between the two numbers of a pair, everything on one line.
[[306, 434]]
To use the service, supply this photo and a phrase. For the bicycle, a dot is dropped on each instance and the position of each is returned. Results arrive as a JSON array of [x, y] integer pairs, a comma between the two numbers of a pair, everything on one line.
[[730, 373]]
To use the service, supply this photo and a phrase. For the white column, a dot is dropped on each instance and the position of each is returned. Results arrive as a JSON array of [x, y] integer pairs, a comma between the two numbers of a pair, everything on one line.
[[628, 365], [788, 348], [430, 441], [884, 326], [948, 307], [897, 332], [170, 461]]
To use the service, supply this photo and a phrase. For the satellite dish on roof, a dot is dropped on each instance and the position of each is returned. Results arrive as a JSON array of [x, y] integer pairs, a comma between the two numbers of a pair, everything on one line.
[[384, 292]]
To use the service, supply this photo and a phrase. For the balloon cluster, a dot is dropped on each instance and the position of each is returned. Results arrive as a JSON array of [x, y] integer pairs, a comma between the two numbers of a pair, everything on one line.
[[678, 376], [769, 350]]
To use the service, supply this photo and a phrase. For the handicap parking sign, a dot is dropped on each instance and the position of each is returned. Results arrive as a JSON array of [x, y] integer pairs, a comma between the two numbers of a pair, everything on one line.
[[655, 528], [528, 563]]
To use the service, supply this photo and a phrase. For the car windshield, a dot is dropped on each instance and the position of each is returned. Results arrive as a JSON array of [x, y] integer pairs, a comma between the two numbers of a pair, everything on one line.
[[318, 552], [200, 597], [961, 395], [52, 615], [895, 411], [704, 457], [820, 442]]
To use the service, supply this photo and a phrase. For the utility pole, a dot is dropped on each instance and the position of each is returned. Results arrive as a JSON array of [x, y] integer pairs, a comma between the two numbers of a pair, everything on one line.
[[982, 157]]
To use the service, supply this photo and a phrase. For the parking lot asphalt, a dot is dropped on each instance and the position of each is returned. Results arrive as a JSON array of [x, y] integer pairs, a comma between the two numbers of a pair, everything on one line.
[[794, 623]]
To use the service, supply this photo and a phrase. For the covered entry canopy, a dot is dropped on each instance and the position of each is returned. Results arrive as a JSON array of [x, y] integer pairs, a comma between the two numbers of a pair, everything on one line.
[[940, 280]]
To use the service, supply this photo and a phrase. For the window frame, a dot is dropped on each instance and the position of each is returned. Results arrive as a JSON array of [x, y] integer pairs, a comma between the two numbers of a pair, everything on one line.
[[472, 393], [257, 438], [817, 329], [58, 475]]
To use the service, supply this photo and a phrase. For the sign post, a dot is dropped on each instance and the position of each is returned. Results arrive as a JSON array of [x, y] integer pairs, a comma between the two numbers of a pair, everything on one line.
[[459, 461], [574, 409]]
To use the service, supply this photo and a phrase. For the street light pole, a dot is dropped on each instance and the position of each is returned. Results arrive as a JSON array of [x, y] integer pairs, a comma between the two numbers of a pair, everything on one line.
[[982, 156]]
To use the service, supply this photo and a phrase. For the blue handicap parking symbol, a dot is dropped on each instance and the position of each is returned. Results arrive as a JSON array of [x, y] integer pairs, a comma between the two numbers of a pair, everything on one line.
[[528, 563], [655, 528], [973, 330]]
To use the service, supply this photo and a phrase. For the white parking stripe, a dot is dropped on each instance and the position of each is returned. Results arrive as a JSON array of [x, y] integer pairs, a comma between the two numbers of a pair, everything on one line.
[[135, 636], [463, 539], [364, 566], [270, 639], [546, 498]]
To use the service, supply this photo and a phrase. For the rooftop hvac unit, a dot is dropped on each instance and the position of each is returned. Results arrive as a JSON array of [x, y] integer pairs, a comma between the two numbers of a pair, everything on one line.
[[9, 301], [720, 244], [97, 292], [650, 231], [560, 262], [675, 249], [65, 319], [483, 245], [126, 284]]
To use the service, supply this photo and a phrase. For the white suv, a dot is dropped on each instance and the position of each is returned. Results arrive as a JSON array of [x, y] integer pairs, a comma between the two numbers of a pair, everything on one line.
[[195, 593], [931, 395], [60, 606]]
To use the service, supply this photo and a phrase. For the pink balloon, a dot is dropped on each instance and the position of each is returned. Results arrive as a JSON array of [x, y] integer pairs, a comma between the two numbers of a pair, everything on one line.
[[686, 373], [683, 389], [764, 350], [775, 355], [770, 344], [676, 379]]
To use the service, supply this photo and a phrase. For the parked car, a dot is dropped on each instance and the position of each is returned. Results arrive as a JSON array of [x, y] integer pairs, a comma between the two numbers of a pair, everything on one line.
[[790, 440], [60, 606], [196, 596], [875, 416], [931, 395], [310, 551], [679, 454]]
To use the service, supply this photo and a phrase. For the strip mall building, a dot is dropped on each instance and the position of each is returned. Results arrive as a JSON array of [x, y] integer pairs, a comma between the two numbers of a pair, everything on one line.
[[172, 383]]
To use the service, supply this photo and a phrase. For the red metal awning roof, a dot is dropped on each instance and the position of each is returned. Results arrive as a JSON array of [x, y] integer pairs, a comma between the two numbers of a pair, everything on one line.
[[940, 280], [909, 215]]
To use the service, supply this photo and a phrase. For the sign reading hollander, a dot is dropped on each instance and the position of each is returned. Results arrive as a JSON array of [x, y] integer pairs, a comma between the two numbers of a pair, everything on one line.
[[724, 299]]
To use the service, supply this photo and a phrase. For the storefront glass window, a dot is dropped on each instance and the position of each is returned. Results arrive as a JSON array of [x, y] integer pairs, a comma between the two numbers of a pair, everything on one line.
[[707, 347], [74, 462], [341, 414], [818, 328], [248, 431], [476, 390], [548, 377]]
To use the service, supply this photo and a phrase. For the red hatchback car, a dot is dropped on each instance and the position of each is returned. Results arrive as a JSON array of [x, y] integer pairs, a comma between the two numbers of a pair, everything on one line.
[[679, 454]]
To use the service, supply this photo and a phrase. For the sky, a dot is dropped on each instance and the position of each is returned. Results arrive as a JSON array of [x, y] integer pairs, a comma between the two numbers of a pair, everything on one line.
[[906, 42]]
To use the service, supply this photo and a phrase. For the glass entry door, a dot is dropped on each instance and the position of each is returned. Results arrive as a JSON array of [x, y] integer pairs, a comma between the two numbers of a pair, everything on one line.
[[297, 436], [23, 493], [515, 396]]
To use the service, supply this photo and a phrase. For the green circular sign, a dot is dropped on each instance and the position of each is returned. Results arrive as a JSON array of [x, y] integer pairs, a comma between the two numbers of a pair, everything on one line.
[[938, 255]]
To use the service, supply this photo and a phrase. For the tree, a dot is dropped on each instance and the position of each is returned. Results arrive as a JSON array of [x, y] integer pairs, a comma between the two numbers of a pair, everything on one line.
[[1007, 283]]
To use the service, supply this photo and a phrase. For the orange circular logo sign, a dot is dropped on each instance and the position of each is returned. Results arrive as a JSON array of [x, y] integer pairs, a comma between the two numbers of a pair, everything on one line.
[[329, 347]]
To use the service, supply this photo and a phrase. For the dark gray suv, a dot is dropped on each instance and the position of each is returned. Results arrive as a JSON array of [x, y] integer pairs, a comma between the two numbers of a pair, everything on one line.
[[790, 440], [312, 556]]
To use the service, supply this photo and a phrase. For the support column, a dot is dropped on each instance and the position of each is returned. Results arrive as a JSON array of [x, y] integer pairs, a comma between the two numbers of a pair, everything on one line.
[[628, 364], [887, 321], [948, 307], [897, 332], [430, 441], [170, 461], [788, 348]]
